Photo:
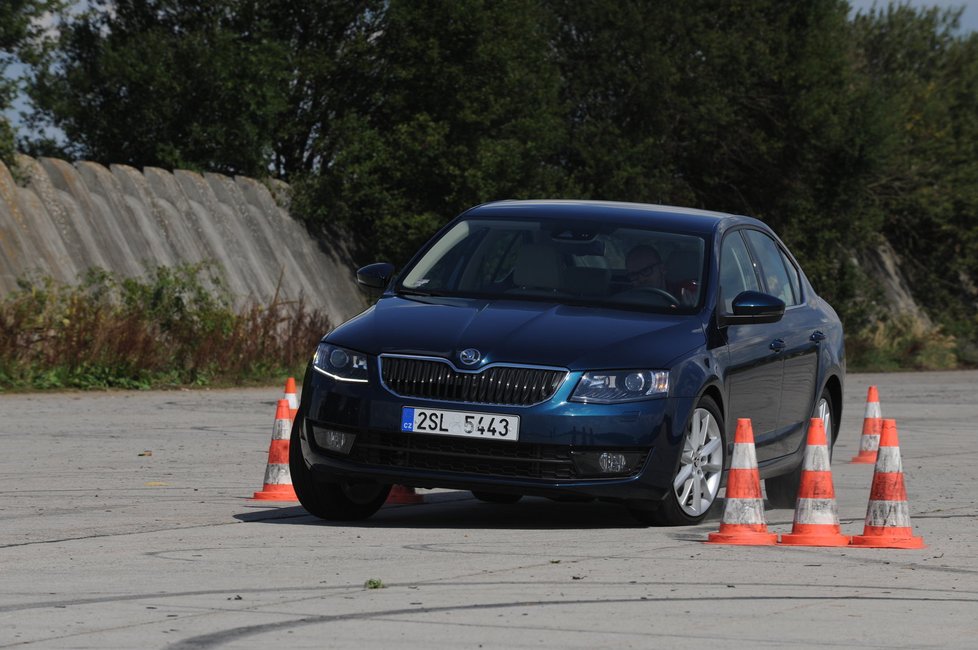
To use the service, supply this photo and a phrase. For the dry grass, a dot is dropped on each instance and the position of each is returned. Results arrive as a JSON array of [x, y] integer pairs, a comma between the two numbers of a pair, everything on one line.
[[177, 328], [902, 343]]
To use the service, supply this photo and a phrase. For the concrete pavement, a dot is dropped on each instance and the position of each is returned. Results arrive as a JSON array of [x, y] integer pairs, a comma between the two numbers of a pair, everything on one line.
[[125, 522]]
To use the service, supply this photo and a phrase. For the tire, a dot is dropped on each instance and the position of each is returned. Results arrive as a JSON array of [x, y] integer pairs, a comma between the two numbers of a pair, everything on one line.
[[340, 501], [782, 491], [496, 497], [699, 470]]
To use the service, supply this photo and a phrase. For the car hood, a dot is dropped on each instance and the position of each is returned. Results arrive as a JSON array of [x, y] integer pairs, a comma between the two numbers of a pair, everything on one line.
[[526, 332]]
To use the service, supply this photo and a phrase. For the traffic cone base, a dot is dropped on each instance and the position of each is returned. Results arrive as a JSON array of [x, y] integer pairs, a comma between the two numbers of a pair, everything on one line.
[[277, 485], [743, 507], [401, 495], [276, 493]]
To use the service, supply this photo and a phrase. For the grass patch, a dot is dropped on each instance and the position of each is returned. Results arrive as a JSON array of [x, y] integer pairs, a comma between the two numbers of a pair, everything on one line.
[[176, 328], [903, 343]]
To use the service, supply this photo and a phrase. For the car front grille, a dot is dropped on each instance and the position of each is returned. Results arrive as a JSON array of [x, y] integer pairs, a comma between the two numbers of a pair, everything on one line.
[[505, 385], [449, 454], [456, 454]]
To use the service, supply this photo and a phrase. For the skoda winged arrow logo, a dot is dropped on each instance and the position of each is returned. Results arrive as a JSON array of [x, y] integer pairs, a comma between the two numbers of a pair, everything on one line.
[[470, 356]]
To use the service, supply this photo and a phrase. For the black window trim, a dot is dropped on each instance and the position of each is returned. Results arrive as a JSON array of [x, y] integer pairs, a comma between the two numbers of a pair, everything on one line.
[[785, 255]]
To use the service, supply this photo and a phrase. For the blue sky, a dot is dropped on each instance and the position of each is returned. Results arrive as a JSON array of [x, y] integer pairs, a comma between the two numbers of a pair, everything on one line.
[[969, 19]]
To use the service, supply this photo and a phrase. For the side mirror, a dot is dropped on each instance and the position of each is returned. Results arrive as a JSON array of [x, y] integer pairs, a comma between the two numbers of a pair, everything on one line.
[[375, 276], [753, 307]]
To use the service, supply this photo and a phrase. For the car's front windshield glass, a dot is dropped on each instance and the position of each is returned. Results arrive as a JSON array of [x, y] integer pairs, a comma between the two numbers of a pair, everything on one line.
[[573, 262]]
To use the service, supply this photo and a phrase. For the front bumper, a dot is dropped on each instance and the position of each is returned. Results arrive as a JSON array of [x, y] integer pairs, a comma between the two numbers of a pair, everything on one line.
[[557, 438]]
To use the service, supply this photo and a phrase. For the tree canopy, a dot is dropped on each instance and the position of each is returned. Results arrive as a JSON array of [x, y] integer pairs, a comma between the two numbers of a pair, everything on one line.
[[391, 116]]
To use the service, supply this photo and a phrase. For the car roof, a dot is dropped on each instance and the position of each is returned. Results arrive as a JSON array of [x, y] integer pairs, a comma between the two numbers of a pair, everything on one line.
[[638, 214]]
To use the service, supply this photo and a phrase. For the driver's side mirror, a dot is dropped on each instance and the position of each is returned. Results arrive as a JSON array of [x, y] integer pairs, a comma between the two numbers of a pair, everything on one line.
[[753, 307], [375, 276]]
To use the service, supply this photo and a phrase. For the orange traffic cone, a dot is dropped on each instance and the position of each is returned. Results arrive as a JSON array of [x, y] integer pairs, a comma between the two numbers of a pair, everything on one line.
[[869, 442], [290, 397], [743, 507], [278, 479], [816, 520], [888, 514], [400, 494]]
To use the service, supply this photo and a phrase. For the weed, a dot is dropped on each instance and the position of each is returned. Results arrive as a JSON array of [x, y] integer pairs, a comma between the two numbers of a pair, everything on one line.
[[902, 343], [177, 328], [374, 583]]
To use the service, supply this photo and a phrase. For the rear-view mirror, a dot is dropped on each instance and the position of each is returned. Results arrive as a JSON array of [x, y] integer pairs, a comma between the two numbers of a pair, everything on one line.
[[753, 307], [375, 276]]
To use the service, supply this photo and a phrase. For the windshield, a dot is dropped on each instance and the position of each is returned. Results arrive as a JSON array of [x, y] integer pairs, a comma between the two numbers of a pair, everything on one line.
[[579, 262]]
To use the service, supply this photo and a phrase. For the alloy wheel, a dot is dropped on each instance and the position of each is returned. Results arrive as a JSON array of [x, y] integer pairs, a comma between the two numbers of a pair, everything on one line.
[[701, 465]]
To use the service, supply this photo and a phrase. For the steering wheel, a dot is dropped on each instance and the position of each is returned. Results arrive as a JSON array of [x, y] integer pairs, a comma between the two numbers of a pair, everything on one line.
[[670, 299]]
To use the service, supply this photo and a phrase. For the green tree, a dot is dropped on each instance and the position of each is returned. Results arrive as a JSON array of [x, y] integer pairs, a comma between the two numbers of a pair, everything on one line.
[[749, 107], [175, 83], [19, 23], [463, 108], [927, 190]]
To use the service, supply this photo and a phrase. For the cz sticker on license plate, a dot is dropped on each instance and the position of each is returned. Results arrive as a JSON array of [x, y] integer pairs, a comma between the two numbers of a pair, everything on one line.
[[487, 426]]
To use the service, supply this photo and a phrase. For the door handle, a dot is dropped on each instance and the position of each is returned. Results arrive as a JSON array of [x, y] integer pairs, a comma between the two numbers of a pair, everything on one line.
[[777, 345], [817, 337]]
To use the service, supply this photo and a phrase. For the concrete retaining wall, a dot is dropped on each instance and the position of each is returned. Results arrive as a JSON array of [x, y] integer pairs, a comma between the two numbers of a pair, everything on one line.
[[65, 218]]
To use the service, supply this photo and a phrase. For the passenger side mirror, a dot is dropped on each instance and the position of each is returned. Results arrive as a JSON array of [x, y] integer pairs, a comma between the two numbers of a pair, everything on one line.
[[753, 307], [375, 276]]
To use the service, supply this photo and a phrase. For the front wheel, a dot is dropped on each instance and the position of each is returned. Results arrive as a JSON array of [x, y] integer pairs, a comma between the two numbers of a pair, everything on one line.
[[696, 482], [341, 501], [782, 491]]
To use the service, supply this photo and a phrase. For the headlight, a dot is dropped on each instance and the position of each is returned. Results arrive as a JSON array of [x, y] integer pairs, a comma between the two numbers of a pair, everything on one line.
[[610, 386], [340, 363]]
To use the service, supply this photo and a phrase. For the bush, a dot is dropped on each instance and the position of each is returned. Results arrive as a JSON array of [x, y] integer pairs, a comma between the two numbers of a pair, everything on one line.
[[175, 328], [902, 343]]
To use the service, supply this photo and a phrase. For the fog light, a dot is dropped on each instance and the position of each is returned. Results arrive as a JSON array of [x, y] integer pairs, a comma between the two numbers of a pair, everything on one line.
[[612, 463], [606, 463], [332, 440]]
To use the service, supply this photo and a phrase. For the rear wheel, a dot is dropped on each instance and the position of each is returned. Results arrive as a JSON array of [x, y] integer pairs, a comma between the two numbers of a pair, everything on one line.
[[496, 497], [782, 491], [696, 482], [341, 501]]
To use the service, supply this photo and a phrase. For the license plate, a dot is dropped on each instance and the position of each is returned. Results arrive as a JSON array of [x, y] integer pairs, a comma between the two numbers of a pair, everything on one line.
[[486, 426]]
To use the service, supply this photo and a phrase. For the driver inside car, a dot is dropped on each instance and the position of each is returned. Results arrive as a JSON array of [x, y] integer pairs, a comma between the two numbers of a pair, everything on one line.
[[644, 268]]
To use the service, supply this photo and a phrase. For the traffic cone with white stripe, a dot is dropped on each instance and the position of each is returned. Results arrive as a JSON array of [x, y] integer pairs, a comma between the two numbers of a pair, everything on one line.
[[816, 521], [291, 397], [278, 479], [743, 506], [888, 515], [869, 442]]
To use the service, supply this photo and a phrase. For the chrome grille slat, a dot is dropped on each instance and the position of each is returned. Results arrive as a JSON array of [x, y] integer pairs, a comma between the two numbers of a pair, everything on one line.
[[428, 378]]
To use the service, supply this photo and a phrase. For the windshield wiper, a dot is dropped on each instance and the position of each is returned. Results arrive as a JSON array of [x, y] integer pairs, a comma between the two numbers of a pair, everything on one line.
[[417, 292]]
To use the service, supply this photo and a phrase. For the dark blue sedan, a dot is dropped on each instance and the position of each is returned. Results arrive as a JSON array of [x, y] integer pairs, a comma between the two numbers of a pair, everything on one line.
[[571, 349]]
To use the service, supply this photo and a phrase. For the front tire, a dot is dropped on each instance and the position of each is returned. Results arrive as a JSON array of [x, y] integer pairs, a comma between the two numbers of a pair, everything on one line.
[[782, 491], [699, 470], [341, 501]]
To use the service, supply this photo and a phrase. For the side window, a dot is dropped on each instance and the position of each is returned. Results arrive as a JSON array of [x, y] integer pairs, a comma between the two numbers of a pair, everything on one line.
[[736, 270], [777, 280], [793, 278]]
